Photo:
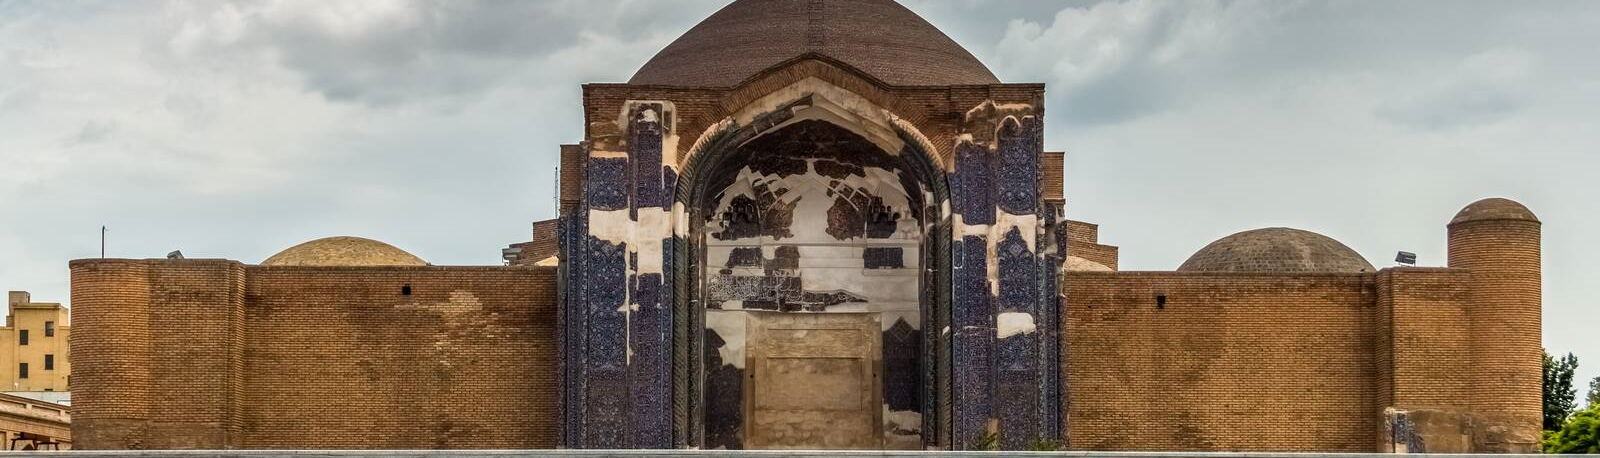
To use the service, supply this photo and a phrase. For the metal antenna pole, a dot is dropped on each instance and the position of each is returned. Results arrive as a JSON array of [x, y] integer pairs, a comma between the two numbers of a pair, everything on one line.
[[102, 242], [556, 195]]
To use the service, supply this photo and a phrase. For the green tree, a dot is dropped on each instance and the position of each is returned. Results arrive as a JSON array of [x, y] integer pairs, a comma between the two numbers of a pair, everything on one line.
[[1594, 392], [1560, 397], [1580, 434]]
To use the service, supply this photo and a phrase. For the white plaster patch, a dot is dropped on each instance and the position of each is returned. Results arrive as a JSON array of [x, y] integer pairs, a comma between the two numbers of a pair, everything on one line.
[[669, 138], [999, 108], [907, 421], [680, 220], [612, 227], [597, 154], [730, 326], [1028, 225], [972, 229], [1014, 323], [912, 317], [654, 227], [853, 307]]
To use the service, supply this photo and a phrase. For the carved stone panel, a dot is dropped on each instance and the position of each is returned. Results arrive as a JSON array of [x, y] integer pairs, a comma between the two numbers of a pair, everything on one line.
[[814, 382]]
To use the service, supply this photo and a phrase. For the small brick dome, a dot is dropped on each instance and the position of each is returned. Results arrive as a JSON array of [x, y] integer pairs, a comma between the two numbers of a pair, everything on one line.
[[344, 252], [1277, 249], [1077, 264], [879, 37], [1494, 209]]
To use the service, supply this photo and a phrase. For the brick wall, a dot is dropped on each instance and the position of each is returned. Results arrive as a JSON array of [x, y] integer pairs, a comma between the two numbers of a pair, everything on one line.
[[1422, 330], [342, 358], [111, 346], [1103, 254], [215, 354], [196, 353], [1231, 362]]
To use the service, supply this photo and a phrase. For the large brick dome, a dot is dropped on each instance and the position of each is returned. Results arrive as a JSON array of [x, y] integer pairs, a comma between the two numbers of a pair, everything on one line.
[[1277, 249], [344, 252], [879, 37]]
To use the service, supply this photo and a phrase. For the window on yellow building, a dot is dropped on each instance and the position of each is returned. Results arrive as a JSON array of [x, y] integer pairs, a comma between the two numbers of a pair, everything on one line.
[[22, 337], [49, 329], [49, 362], [22, 370]]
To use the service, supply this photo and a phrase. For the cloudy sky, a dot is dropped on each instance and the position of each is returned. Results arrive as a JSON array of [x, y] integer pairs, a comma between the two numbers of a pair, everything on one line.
[[236, 129]]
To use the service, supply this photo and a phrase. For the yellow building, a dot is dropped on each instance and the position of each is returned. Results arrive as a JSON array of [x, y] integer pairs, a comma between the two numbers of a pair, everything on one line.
[[33, 346]]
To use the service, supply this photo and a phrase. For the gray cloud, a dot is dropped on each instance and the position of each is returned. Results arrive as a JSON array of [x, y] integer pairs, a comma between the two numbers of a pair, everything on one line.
[[390, 52], [91, 132]]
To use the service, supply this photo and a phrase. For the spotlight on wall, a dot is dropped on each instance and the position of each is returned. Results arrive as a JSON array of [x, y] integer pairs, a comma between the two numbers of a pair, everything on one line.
[[511, 255], [175, 254], [1406, 258]]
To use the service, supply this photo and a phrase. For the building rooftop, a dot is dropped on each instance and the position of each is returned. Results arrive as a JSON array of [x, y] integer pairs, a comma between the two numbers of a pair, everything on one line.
[[879, 37]]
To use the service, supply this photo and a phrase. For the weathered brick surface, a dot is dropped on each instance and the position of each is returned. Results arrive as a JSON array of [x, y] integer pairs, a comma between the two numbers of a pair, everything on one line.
[[1104, 254], [341, 358], [196, 353], [1421, 331], [1053, 185], [1231, 362], [1505, 324], [1079, 231], [215, 354]]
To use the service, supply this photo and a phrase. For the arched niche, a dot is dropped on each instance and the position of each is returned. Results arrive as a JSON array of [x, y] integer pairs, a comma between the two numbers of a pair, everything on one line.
[[777, 208]]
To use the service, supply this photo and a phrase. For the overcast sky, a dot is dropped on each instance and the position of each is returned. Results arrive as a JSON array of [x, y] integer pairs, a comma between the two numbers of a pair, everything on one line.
[[236, 129]]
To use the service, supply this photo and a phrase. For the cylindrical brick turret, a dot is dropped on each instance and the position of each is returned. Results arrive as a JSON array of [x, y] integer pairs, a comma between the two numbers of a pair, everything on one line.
[[111, 353], [1498, 240]]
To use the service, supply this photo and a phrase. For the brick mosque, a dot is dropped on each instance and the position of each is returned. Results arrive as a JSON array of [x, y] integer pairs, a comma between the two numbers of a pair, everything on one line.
[[819, 224]]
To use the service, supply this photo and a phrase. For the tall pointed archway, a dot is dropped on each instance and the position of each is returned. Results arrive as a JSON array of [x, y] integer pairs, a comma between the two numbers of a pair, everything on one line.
[[636, 266]]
